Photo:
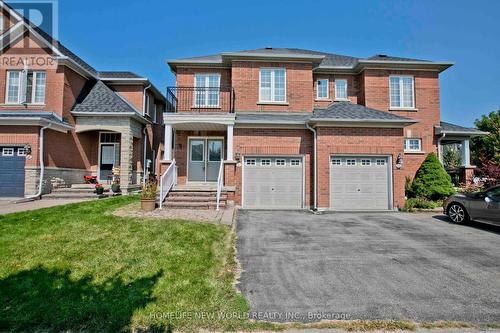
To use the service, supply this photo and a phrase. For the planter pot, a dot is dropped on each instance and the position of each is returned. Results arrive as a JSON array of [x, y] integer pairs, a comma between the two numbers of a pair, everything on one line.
[[148, 205], [99, 191], [115, 188]]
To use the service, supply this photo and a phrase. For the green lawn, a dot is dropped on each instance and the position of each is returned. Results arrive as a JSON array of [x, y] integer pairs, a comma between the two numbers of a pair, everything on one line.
[[77, 267]]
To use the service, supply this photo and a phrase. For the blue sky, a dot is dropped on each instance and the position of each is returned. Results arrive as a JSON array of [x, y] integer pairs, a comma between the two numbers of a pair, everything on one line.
[[140, 36]]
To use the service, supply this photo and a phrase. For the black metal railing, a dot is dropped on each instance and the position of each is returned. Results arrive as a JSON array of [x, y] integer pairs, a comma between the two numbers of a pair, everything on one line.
[[200, 99]]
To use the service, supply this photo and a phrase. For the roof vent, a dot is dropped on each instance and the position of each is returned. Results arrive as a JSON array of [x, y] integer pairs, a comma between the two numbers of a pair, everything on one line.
[[268, 48], [382, 55]]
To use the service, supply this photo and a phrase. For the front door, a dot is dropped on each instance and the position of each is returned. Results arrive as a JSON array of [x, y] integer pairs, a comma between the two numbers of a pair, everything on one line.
[[108, 159], [204, 159]]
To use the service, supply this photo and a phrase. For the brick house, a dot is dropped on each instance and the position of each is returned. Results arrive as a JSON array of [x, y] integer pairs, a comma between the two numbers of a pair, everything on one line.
[[61, 118], [291, 128]]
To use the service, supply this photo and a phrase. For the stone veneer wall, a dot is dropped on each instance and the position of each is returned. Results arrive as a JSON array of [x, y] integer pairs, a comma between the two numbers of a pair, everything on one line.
[[53, 178]]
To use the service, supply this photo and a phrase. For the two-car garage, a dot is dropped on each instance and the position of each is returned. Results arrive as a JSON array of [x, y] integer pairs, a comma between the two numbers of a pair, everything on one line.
[[356, 183]]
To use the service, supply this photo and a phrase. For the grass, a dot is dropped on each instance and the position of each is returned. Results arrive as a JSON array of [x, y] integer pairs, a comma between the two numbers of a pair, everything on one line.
[[80, 268]]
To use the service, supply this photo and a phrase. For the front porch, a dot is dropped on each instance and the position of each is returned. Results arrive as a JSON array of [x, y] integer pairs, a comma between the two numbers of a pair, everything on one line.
[[457, 138]]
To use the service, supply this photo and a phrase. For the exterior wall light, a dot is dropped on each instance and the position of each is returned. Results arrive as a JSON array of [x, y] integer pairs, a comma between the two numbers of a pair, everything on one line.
[[399, 161]]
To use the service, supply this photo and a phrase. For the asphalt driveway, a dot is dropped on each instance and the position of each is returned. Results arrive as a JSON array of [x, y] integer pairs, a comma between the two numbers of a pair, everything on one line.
[[302, 267]]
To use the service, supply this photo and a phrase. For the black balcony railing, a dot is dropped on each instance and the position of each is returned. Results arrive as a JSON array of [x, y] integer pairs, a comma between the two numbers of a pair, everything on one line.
[[200, 99]]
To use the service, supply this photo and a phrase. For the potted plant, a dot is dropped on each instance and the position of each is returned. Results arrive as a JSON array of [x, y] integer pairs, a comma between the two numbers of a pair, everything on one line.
[[115, 187], [148, 196], [99, 189]]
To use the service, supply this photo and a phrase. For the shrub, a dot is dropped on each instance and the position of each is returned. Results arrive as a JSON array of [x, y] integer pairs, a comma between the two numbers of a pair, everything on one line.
[[466, 188], [149, 191], [408, 187], [422, 203], [431, 181]]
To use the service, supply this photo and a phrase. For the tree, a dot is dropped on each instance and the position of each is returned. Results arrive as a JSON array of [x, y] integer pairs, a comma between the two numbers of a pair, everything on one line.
[[451, 157], [487, 147], [432, 181]]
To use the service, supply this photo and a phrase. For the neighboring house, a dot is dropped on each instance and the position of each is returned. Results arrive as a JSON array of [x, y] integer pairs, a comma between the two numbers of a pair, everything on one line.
[[84, 122], [268, 112]]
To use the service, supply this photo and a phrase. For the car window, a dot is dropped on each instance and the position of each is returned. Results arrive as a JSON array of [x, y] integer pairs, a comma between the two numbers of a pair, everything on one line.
[[494, 193]]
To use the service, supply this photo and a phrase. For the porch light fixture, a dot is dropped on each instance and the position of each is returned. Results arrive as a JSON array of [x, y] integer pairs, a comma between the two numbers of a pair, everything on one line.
[[27, 150], [237, 156], [399, 161]]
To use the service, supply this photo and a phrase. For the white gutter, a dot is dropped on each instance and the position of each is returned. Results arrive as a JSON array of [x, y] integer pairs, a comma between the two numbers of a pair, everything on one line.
[[42, 166], [315, 182], [144, 153]]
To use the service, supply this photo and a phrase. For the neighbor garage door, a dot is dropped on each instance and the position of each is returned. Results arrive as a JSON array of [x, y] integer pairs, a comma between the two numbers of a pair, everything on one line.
[[273, 182], [12, 171], [359, 183]]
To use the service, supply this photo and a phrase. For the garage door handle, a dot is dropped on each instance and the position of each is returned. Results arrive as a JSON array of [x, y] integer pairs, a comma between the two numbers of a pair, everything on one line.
[[359, 189]]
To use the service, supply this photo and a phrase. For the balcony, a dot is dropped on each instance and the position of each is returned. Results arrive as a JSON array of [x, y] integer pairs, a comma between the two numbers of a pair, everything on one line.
[[200, 99]]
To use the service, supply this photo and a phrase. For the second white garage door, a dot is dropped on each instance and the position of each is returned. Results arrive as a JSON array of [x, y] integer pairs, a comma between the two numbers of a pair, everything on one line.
[[360, 183], [273, 182]]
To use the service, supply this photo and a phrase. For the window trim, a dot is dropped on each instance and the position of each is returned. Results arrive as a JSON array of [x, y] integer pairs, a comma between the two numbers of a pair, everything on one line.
[[8, 149], [273, 99], [266, 159], [351, 159], [281, 160], [407, 147], [34, 85], [346, 90], [295, 160], [366, 162], [18, 101], [253, 160], [339, 160], [21, 151], [400, 77], [205, 93], [327, 89]]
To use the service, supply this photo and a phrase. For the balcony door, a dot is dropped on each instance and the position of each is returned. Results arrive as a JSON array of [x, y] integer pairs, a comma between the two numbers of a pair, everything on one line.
[[206, 92], [204, 157]]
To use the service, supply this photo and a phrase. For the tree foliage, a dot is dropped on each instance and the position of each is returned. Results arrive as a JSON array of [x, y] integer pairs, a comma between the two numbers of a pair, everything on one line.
[[451, 157], [432, 182], [487, 148]]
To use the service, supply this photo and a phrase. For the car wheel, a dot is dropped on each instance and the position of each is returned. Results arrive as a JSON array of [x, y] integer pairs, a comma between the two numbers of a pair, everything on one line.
[[457, 213]]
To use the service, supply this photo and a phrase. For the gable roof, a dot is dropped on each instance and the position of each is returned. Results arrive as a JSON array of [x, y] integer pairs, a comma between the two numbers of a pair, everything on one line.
[[348, 112], [321, 60], [102, 100], [119, 75]]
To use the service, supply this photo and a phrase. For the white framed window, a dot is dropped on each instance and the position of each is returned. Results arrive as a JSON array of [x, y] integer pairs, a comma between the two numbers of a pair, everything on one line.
[[265, 162], [296, 162], [147, 105], [280, 162], [350, 162], [322, 89], [380, 162], [366, 162], [206, 92], [250, 161], [13, 92], [21, 152], [39, 82], [402, 94], [2, 23], [341, 89], [336, 161], [8, 152], [155, 111], [413, 145], [272, 85]]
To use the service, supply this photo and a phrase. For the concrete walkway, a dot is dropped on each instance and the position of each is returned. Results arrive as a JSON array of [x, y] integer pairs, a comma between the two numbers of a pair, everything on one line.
[[8, 206]]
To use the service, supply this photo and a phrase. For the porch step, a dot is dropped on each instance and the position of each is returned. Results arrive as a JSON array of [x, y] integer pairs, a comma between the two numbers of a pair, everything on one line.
[[195, 199], [77, 191], [182, 198], [193, 205]]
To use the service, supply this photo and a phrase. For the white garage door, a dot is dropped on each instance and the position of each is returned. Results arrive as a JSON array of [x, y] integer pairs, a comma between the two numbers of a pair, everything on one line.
[[273, 182], [359, 183]]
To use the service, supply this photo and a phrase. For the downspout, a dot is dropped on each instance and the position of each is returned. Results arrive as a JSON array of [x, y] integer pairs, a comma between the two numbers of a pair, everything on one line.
[[315, 204], [42, 166], [440, 152], [145, 136]]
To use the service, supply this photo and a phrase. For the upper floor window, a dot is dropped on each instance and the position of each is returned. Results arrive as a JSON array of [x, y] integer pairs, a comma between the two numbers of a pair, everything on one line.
[[402, 92], [206, 93], [25, 87], [2, 23], [413, 145], [272, 85], [147, 105], [341, 89], [322, 89]]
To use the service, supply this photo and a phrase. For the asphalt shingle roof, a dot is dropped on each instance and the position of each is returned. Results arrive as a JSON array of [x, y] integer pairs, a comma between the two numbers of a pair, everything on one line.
[[119, 75], [355, 112], [450, 128], [102, 99], [275, 118], [329, 60], [37, 114]]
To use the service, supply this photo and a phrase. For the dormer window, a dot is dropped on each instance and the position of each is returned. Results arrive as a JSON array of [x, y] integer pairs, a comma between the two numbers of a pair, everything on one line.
[[25, 87], [402, 92], [272, 85], [322, 89], [340, 90]]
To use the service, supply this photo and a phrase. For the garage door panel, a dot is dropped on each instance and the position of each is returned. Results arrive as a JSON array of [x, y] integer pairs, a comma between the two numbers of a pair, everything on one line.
[[277, 185], [359, 183], [11, 172]]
